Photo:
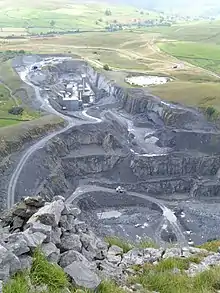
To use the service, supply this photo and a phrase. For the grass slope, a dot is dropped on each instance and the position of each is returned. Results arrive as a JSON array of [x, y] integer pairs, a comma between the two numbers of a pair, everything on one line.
[[199, 54], [36, 17]]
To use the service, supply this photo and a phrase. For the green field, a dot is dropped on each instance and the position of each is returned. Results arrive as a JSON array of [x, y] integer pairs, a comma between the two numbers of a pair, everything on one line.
[[153, 50], [65, 15], [199, 54], [8, 99]]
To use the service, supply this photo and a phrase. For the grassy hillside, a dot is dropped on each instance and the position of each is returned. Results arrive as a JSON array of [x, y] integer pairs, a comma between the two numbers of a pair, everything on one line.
[[199, 54], [22, 17]]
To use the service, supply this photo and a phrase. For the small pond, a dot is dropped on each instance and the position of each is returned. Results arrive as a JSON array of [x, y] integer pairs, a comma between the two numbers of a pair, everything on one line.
[[146, 80]]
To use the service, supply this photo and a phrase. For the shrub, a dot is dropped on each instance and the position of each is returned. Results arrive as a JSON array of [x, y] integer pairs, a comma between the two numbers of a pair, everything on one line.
[[210, 111], [16, 111], [106, 67]]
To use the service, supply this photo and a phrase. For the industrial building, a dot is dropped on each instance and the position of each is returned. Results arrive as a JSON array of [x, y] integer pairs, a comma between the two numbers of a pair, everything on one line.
[[76, 95]]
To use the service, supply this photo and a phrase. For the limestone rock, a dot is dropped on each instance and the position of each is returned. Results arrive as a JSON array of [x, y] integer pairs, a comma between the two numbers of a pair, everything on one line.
[[109, 270], [70, 256], [69, 209], [172, 252], [55, 236], [82, 276], [80, 226], [133, 257], [94, 248], [114, 254], [69, 242], [17, 223], [58, 197], [17, 243], [115, 250], [4, 272], [67, 222], [51, 252], [49, 214], [39, 227], [36, 201], [26, 262], [34, 240], [152, 255]]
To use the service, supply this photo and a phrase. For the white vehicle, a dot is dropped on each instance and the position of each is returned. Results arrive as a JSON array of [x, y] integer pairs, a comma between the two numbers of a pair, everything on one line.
[[120, 189], [63, 108], [190, 242]]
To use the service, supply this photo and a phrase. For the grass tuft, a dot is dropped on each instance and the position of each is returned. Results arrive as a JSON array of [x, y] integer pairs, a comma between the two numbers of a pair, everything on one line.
[[18, 284], [211, 245], [43, 272], [125, 245], [109, 287]]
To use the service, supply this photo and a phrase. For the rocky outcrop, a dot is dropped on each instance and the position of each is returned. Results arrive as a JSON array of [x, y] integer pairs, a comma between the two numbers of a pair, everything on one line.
[[68, 242], [140, 101], [175, 164]]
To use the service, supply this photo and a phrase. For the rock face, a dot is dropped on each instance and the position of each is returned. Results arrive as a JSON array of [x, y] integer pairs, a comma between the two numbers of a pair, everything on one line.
[[86, 258]]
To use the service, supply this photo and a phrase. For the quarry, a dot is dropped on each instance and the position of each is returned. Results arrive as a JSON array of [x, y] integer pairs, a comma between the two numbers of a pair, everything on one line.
[[165, 157]]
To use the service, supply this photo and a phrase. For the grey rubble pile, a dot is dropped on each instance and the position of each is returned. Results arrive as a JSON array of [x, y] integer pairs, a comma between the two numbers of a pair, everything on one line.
[[67, 241]]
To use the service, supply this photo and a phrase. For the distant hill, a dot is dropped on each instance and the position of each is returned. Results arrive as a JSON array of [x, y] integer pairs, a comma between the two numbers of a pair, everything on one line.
[[197, 7]]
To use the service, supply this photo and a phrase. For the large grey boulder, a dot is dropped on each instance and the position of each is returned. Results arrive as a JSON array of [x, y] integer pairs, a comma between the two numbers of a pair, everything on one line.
[[26, 262], [70, 242], [49, 214], [69, 209], [56, 235], [114, 254], [133, 257], [36, 201], [70, 256], [51, 252], [9, 263], [18, 223], [152, 255], [94, 248], [17, 243], [173, 252], [67, 223], [110, 270], [39, 227], [4, 272], [80, 226], [82, 276], [34, 240]]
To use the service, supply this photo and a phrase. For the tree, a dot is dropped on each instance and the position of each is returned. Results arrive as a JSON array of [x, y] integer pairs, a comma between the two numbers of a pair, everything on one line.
[[106, 67], [52, 23], [108, 12]]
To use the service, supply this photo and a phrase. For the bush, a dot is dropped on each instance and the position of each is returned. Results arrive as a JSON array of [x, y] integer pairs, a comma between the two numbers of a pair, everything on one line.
[[16, 111], [106, 67], [210, 111]]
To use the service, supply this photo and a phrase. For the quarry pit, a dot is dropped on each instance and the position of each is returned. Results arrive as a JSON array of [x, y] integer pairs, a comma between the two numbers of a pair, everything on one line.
[[165, 156]]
